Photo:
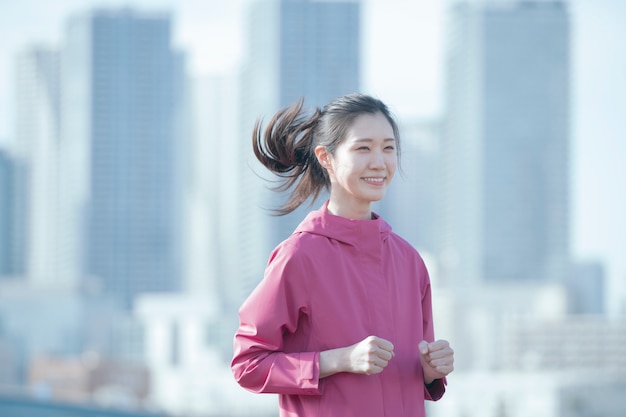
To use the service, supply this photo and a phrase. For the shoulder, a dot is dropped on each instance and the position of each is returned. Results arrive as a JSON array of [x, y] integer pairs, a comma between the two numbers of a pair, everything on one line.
[[296, 253], [300, 247], [410, 257], [401, 245]]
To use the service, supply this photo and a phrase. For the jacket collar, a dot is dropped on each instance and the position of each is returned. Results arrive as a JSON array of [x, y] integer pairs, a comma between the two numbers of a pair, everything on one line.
[[345, 230]]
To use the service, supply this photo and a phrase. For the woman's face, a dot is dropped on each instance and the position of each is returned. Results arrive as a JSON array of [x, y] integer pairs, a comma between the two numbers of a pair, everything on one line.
[[362, 166]]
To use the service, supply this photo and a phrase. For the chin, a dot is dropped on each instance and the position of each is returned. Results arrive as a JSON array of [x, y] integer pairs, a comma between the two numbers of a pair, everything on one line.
[[375, 199]]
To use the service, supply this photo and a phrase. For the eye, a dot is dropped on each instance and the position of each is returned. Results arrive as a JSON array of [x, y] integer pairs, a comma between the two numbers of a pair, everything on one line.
[[363, 148], [390, 148]]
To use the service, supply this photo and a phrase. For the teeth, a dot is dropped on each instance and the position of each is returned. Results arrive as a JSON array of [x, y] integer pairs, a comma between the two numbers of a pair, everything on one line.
[[374, 179]]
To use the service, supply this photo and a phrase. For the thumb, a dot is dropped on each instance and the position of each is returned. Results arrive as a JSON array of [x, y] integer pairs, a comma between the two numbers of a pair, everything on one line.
[[423, 347]]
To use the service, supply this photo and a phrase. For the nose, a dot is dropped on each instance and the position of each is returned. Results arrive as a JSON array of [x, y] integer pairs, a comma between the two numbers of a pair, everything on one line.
[[377, 160]]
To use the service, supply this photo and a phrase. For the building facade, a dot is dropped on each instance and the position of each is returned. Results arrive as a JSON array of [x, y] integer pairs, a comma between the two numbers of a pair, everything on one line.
[[7, 214], [505, 178], [37, 151], [123, 114]]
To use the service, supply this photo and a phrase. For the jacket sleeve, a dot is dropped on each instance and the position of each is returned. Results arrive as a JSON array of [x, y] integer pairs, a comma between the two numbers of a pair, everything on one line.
[[435, 390], [273, 310]]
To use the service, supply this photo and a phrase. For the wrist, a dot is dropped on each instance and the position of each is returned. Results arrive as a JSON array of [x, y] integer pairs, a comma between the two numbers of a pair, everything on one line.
[[332, 362], [429, 381]]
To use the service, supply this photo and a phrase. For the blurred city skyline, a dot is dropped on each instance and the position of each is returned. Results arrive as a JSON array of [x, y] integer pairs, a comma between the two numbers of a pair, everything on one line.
[[412, 83], [518, 159]]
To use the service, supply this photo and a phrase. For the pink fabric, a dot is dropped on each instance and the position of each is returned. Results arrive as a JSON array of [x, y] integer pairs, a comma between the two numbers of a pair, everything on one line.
[[331, 284]]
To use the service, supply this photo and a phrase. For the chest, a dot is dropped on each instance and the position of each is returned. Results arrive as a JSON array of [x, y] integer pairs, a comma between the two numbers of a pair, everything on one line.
[[356, 293]]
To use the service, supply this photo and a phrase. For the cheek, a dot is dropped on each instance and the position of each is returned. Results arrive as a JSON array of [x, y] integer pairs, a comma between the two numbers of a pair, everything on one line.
[[342, 167], [392, 165], [343, 172], [344, 176]]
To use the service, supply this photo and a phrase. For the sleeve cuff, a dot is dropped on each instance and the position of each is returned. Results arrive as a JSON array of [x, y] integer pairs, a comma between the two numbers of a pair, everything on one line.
[[310, 373], [435, 391]]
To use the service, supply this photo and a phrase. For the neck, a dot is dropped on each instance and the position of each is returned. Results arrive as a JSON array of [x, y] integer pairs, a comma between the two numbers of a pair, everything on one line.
[[364, 213]]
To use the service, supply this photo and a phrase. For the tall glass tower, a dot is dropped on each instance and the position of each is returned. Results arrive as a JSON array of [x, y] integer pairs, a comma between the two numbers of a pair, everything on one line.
[[7, 214], [294, 49], [124, 86], [505, 205], [37, 149]]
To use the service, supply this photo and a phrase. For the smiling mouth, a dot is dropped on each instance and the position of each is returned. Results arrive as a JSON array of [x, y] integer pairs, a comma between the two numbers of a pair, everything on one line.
[[374, 180]]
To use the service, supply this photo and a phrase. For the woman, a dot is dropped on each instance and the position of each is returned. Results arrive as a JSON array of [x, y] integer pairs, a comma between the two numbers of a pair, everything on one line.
[[341, 324]]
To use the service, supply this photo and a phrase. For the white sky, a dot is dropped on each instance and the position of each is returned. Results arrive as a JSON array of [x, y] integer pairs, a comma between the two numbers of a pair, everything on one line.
[[403, 43]]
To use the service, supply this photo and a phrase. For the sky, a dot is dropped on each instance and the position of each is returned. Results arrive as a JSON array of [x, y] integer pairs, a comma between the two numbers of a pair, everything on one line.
[[402, 53]]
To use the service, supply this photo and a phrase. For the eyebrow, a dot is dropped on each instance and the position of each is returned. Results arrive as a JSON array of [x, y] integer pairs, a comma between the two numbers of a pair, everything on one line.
[[372, 140]]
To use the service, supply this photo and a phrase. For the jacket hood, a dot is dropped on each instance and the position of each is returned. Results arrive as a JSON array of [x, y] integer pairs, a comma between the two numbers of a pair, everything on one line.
[[321, 222]]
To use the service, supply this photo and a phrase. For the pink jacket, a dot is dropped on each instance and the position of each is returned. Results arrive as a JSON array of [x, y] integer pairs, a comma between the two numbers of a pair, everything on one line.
[[331, 284]]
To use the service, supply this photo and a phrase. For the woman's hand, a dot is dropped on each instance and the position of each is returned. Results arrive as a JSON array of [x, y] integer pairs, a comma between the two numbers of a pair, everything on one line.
[[369, 356], [437, 359]]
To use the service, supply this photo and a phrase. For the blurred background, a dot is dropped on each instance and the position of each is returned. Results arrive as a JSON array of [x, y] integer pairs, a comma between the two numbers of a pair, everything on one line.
[[134, 220]]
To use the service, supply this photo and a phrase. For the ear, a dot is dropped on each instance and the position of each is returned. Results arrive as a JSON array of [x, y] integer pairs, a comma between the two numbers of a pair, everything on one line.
[[323, 157]]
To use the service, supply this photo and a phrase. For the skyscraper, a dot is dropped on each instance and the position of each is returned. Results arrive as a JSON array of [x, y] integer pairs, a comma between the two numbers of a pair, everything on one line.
[[295, 49], [124, 86], [505, 205], [38, 150], [7, 214]]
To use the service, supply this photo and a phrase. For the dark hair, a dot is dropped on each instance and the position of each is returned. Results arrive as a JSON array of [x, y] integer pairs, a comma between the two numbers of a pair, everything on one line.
[[287, 146]]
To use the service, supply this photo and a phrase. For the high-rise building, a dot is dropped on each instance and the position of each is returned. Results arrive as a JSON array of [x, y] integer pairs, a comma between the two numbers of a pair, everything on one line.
[[295, 49], [38, 150], [586, 288], [505, 205], [7, 214], [122, 116], [212, 185]]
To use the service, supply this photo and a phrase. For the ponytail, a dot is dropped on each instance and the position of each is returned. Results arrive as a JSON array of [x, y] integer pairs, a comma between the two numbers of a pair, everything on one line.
[[287, 148]]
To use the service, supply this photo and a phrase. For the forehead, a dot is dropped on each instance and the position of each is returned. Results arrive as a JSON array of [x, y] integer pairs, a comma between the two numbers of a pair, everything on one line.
[[370, 126]]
